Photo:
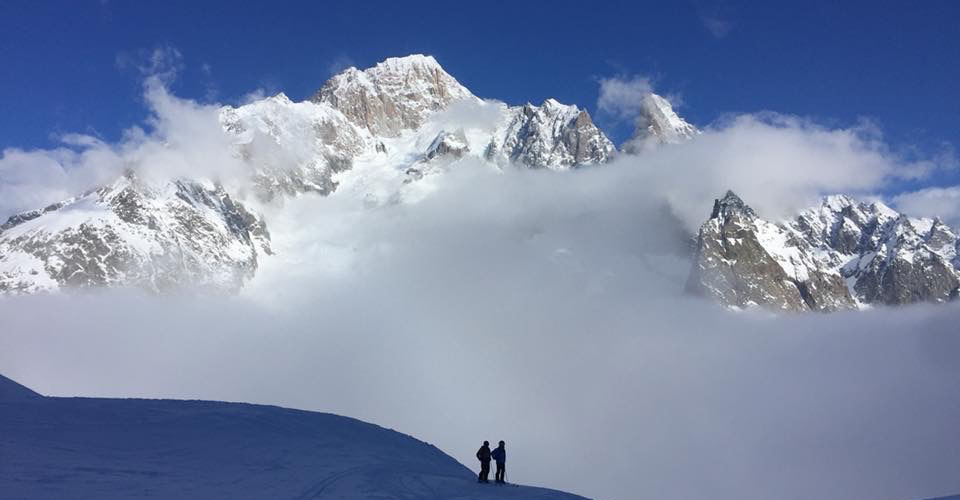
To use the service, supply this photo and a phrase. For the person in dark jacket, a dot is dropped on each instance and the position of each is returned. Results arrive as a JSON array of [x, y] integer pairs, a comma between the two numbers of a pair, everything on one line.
[[483, 455], [500, 455]]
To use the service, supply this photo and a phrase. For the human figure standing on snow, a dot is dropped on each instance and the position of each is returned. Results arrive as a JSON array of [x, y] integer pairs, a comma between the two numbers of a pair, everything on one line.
[[483, 455], [500, 455]]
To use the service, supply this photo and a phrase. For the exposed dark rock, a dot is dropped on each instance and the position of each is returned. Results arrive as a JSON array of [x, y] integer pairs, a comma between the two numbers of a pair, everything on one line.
[[835, 256]]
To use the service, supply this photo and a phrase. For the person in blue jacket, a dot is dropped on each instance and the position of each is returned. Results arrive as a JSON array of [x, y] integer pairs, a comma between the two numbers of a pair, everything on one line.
[[499, 454]]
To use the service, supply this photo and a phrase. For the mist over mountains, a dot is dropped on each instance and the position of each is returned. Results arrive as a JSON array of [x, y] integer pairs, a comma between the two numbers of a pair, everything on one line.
[[184, 211], [481, 270]]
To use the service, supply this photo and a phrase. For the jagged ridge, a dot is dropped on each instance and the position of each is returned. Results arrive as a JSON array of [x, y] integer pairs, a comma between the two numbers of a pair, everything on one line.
[[841, 254], [179, 234]]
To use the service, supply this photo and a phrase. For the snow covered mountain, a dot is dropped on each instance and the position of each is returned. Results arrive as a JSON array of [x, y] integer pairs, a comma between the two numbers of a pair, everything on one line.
[[382, 132], [376, 122], [367, 116], [134, 448], [393, 96], [178, 234], [293, 147], [841, 254], [552, 135]]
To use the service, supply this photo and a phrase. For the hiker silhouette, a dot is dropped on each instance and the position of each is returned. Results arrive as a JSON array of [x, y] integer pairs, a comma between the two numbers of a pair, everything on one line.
[[500, 456], [483, 455]]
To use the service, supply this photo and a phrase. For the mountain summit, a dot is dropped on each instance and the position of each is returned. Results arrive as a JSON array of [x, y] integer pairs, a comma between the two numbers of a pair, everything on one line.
[[395, 95], [658, 124]]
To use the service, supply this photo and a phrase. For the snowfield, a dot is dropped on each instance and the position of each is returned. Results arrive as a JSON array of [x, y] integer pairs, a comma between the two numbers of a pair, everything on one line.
[[80, 448]]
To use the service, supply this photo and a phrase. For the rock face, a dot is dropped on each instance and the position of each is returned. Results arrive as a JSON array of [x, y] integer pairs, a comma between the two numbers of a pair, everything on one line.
[[553, 135], [841, 254], [446, 148], [180, 234], [299, 147], [448, 145], [395, 95], [658, 124]]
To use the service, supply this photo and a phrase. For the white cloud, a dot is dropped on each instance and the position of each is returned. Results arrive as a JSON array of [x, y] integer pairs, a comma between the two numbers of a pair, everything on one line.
[[627, 99], [185, 139], [545, 309], [623, 98], [340, 63], [36, 178], [776, 163], [943, 202], [179, 138], [716, 25], [163, 63], [254, 95]]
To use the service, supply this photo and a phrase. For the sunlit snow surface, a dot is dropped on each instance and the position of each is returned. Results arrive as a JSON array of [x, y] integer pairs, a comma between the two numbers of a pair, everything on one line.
[[78, 448]]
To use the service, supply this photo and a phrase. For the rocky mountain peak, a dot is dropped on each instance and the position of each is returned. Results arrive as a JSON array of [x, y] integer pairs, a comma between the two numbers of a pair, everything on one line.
[[281, 98], [552, 135], [395, 95], [840, 254], [658, 124], [940, 236], [745, 261], [729, 205], [552, 105]]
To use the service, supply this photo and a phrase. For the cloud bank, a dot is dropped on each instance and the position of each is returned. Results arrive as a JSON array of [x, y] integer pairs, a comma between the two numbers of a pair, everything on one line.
[[180, 138], [943, 202], [777, 163], [552, 323], [545, 310], [624, 98]]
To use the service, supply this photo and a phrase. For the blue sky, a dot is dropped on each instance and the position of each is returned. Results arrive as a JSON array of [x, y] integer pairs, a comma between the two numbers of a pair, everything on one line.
[[836, 62]]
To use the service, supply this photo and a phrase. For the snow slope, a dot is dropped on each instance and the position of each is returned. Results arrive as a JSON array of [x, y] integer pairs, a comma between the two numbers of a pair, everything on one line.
[[181, 233], [79, 448]]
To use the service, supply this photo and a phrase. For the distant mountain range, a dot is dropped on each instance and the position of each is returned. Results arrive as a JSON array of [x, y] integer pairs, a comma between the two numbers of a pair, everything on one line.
[[385, 123]]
